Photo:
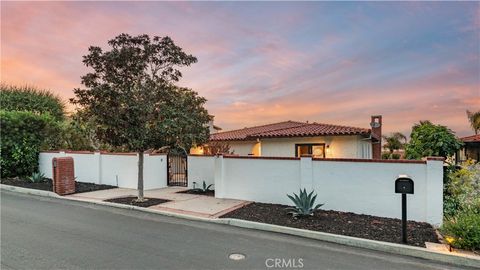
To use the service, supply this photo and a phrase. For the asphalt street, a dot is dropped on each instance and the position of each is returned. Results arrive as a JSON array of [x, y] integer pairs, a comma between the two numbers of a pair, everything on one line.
[[49, 233]]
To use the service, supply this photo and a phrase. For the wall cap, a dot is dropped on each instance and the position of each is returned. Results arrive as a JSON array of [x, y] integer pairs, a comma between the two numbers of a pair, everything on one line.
[[260, 157], [434, 158], [402, 161]]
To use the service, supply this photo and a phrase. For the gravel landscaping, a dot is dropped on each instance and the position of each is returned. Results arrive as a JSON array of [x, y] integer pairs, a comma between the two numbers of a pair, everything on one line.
[[356, 225], [80, 187], [210, 193], [131, 200]]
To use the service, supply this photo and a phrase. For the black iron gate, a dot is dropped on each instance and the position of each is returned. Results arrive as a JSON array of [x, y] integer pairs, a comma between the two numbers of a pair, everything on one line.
[[177, 170]]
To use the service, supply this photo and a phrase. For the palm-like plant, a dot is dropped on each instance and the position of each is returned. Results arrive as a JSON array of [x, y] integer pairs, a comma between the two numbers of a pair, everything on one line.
[[304, 204], [395, 141], [474, 119]]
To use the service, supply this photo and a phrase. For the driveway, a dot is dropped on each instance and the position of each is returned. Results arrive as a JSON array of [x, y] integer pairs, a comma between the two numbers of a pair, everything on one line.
[[48, 233], [197, 205]]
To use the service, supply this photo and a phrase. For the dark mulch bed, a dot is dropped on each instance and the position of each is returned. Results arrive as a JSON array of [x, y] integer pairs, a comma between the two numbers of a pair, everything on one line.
[[132, 201], [356, 225], [80, 187], [196, 192]]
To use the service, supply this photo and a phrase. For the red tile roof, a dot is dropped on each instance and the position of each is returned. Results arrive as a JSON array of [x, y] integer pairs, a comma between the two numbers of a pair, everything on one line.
[[314, 129], [288, 129], [242, 134], [473, 138]]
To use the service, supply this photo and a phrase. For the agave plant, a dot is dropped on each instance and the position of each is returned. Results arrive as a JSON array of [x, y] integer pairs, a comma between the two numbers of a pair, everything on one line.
[[204, 188], [37, 177], [304, 204]]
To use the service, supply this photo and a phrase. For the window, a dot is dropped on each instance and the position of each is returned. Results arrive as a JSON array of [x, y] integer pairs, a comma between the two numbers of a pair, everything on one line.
[[315, 149]]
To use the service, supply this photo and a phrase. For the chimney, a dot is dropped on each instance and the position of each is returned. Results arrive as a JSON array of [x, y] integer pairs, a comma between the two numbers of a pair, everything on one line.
[[376, 125]]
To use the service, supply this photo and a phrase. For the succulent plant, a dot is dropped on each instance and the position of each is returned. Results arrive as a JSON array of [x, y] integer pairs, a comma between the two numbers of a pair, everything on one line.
[[37, 177], [304, 204], [204, 188]]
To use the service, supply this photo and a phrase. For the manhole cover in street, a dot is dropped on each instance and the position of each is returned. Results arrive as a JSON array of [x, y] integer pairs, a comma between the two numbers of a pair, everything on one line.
[[236, 256]]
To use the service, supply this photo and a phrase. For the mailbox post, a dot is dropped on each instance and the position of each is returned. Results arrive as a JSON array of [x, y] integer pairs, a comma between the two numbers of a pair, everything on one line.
[[404, 185]]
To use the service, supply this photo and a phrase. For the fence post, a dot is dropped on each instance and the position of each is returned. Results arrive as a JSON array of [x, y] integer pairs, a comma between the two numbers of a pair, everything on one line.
[[219, 177], [434, 184], [306, 173]]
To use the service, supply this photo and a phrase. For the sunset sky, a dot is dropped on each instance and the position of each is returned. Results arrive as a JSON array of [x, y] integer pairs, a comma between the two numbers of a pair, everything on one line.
[[261, 62]]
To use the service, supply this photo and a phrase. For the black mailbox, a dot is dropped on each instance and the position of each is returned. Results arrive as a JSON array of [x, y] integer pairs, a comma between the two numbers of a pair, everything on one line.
[[404, 185]]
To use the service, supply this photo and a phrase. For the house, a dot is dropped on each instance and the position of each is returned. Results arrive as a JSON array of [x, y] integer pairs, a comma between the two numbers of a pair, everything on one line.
[[470, 150], [294, 139]]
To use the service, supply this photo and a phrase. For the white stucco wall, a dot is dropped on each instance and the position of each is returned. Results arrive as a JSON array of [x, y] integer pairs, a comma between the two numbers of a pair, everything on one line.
[[108, 168], [340, 146], [362, 187], [201, 168], [260, 180], [242, 148]]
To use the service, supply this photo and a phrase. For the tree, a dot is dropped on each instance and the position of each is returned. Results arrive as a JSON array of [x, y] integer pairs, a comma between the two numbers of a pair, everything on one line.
[[78, 133], [428, 139], [31, 99], [131, 98], [474, 119], [394, 141], [217, 147]]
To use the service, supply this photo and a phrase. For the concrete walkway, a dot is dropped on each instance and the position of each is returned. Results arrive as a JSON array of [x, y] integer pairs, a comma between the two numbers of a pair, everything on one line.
[[197, 205]]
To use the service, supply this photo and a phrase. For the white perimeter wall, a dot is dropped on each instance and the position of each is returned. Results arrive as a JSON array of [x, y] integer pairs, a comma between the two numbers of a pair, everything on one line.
[[362, 187], [111, 169], [201, 168]]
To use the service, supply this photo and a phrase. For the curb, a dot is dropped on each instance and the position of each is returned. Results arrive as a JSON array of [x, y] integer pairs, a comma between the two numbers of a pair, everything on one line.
[[37, 192], [459, 260]]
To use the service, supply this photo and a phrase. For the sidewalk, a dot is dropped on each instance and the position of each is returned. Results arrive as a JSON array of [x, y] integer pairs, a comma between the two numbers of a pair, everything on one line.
[[191, 204]]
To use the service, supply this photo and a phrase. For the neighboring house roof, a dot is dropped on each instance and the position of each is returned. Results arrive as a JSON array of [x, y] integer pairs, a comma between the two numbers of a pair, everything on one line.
[[469, 139], [288, 129]]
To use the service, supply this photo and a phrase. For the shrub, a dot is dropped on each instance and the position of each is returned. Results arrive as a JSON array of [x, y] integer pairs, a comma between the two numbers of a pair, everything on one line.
[[14, 98], [23, 135], [395, 156], [464, 229], [304, 204], [385, 155], [462, 189]]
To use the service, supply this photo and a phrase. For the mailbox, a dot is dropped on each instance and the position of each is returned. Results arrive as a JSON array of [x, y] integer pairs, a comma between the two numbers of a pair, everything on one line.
[[404, 185]]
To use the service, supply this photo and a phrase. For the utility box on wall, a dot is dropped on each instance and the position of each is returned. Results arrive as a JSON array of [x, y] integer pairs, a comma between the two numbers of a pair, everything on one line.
[[63, 175]]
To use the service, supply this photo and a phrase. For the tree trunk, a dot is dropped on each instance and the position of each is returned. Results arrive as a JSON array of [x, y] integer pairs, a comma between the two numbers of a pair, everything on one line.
[[140, 176]]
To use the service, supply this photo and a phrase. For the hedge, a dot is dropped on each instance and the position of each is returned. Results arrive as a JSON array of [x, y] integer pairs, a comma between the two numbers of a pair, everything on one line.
[[23, 135], [25, 98]]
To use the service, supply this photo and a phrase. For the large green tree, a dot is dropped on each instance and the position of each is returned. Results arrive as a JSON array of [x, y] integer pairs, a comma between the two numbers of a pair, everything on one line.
[[474, 119], [428, 139], [131, 98]]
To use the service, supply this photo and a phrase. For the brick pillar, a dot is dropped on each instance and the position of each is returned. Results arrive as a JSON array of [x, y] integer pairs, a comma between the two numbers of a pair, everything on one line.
[[376, 125], [63, 175]]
